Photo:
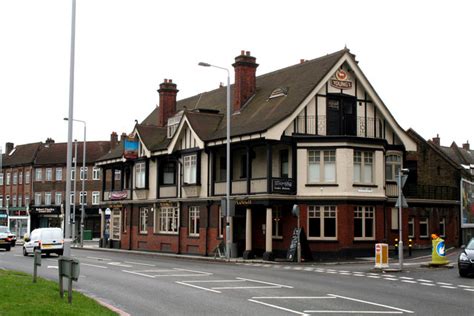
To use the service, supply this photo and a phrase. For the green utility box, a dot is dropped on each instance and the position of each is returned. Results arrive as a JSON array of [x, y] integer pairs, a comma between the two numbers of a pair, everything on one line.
[[87, 234]]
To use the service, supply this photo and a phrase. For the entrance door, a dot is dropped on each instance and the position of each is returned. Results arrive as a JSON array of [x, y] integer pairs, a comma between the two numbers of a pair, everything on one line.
[[19, 226], [341, 115]]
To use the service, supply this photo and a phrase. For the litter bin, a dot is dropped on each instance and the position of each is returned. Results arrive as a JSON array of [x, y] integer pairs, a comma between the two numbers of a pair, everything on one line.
[[87, 234]]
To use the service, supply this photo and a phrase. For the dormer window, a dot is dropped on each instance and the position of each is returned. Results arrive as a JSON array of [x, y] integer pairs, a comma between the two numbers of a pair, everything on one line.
[[173, 123]]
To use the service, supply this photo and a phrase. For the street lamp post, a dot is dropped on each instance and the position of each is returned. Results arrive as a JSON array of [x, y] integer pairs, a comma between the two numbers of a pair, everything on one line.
[[228, 217], [83, 177], [400, 218]]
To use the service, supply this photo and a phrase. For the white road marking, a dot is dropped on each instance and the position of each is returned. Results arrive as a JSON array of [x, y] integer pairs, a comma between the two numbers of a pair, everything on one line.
[[119, 264], [52, 267], [243, 287], [199, 272], [308, 269], [466, 286], [287, 267], [93, 265], [274, 284], [448, 287], [278, 307], [406, 278], [213, 281], [391, 279], [138, 273], [409, 281], [14, 255], [101, 259], [297, 268], [319, 270], [373, 276], [389, 276], [423, 280], [198, 287], [371, 303], [359, 275], [355, 312], [472, 290], [345, 273], [331, 272], [140, 264], [427, 284], [291, 297], [443, 283]]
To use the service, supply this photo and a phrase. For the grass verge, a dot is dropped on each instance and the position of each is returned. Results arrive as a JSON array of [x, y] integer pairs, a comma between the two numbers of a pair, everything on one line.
[[20, 296]]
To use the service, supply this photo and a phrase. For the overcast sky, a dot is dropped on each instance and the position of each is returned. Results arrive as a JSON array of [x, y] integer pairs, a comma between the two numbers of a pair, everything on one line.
[[416, 54]]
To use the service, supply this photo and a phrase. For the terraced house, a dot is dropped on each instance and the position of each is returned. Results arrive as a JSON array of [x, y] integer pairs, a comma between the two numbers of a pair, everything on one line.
[[315, 134]]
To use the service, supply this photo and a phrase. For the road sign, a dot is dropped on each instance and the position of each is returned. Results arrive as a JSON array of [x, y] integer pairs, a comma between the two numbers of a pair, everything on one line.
[[404, 202], [404, 179]]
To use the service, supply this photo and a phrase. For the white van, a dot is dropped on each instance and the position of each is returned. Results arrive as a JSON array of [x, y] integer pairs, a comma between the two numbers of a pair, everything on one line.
[[48, 240]]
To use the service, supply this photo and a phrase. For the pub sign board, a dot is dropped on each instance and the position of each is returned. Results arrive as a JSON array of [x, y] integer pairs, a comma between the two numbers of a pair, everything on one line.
[[283, 185]]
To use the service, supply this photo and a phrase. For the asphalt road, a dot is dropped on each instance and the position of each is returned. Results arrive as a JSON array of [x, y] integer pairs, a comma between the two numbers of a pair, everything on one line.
[[150, 285]]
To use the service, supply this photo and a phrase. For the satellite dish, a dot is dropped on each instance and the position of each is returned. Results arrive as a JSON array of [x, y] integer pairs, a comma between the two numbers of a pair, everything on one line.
[[295, 210]]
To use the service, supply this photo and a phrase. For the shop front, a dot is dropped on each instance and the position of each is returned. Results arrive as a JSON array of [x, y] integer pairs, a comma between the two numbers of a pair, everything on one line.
[[42, 217], [18, 221]]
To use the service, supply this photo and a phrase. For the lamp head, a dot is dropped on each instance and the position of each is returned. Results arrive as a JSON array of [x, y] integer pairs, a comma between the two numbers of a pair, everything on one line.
[[204, 64]]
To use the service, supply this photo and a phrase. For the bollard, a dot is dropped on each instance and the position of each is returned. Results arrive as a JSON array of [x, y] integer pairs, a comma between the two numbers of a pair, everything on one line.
[[438, 255], [410, 244], [36, 263], [396, 247]]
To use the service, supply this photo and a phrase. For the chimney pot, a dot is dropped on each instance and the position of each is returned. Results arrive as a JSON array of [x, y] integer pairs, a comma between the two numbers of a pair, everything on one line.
[[466, 146], [8, 148], [437, 140], [167, 105], [247, 53], [113, 140], [242, 52]]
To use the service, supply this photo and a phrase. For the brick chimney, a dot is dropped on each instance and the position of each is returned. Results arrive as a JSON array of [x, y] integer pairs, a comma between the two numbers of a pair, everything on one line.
[[466, 146], [167, 107], [113, 140], [8, 148], [437, 140], [245, 79], [123, 137]]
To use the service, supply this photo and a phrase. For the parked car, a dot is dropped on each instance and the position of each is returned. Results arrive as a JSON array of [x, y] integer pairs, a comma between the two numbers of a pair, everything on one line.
[[5, 241], [4, 229], [466, 259], [48, 240]]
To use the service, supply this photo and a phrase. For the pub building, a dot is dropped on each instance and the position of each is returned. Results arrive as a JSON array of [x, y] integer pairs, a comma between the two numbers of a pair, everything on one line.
[[314, 134]]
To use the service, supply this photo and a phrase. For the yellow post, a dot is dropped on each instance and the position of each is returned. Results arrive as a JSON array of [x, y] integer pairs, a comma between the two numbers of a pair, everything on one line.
[[438, 254]]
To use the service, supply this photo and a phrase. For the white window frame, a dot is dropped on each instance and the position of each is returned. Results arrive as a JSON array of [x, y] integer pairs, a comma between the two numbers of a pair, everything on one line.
[[363, 211], [140, 175], [7, 182], [394, 163], [48, 174], [27, 177], [58, 197], [322, 212], [38, 174], [14, 200], [95, 173], [365, 161], [115, 224], [394, 218], [20, 200], [167, 220], [194, 221], [323, 159], [95, 197], [72, 199], [59, 174], [83, 197], [1, 178], [190, 169], [27, 200], [15, 178], [73, 174], [20, 177], [1, 201], [424, 221], [277, 222], [143, 220], [442, 227], [411, 227], [38, 198], [83, 173], [47, 198]]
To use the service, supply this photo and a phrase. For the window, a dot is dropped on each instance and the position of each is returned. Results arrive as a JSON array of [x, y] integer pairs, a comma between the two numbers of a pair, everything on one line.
[[194, 221], [364, 222], [47, 198], [140, 173], [394, 221], [73, 174], [27, 177], [8, 178], [1, 178], [411, 227], [15, 177], [27, 200], [442, 227], [95, 173], [363, 167], [169, 171], [243, 166], [83, 173], [37, 198], [58, 198], [143, 220], [424, 227], [14, 201], [284, 163], [222, 168], [20, 200], [393, 163], [117, 175], [83, 197], [166, 220], [322, 222], [20, 177], [38, 174], [115, 219], [95, 198], [190, 163], [1, 201], [221, 224], [72, 198], [7, 201], [49, 174], [322, 166], [59, 174], [277, 223]]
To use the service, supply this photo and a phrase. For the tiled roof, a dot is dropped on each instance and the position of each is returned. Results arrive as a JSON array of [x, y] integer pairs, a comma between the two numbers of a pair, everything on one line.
[[55, 153], [154, 137], [260, 112], [21, 155]]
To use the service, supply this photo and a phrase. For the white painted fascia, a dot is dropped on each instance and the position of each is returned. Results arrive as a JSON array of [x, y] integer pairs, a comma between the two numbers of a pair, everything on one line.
[[177, 134], [108, 162], [276, 131], [142, 144]]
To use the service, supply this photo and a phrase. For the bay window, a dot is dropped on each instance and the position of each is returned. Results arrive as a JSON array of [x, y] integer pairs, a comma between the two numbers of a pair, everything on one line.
[[168, 173], [140, 175], [363, 167], [321, 166], [393, 164]]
